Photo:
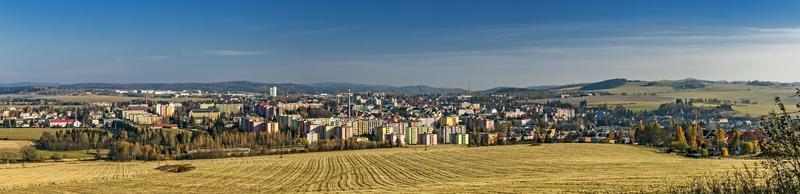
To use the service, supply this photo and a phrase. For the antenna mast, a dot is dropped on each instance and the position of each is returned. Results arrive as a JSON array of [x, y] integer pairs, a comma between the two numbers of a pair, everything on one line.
[[469, 86]]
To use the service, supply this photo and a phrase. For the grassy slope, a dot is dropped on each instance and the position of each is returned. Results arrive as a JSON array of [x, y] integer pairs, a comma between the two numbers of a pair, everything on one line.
[[633, 102], [25, 133], [764, 96], [25, 136], [442, 169]]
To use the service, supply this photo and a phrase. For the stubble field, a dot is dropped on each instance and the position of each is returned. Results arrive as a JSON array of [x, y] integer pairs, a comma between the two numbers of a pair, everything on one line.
[[440, 169]]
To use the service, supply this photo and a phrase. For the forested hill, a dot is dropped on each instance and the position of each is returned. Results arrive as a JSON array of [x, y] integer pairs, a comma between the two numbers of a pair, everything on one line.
[[247, 86]]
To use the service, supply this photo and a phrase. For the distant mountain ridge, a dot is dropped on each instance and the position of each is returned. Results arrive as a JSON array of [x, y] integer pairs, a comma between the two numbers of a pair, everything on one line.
[[339, 87], [257, 87], [29, 84]]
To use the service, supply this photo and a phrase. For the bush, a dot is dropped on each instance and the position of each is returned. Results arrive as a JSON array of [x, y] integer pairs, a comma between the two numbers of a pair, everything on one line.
[[704, 152], [29, 153], [679, 146], [7, 157], [57, 156], [746, 148], [739, 181]]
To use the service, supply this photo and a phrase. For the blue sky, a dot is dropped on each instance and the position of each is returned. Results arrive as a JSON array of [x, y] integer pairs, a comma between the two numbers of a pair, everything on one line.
[[437, 43]]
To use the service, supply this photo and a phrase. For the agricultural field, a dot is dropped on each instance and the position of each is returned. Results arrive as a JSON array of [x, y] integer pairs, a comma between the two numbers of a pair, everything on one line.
[[635, 103], [25, 133], [95, 98], [639, 97], [13, 144], [551, 168]]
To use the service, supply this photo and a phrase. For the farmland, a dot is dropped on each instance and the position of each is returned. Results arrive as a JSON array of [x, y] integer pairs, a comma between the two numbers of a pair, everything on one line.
[[13, 145], [521, 168], [25, 133], [638, 96]]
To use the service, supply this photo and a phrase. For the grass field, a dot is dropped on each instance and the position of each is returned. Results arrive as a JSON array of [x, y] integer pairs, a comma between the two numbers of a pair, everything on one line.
[[551, 168], [96, 98], [25, 133], [635, 103], [763, 96]]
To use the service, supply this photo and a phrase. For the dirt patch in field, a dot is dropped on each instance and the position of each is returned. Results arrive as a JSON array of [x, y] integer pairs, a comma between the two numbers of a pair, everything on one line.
[[13, 144], [176, 168]]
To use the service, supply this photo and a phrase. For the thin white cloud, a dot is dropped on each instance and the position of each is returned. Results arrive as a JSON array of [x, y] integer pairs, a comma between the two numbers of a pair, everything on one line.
[[739, 54], [234, 53]]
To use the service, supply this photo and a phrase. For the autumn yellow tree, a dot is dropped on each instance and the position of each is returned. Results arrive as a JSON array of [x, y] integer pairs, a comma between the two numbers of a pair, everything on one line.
[[679, 144], [680, 136], [725, 152], [693, 137], [721, 138]]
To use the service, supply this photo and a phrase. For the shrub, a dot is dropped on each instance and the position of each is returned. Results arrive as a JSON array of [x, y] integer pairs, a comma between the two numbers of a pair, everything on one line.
[[739, 181], [28, 153], [57, 156], [679, 146]]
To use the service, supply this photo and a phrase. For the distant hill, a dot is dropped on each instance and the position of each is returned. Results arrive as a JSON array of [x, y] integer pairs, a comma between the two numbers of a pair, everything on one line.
[[29, 84], [681, 84], [256, 87], [603, 85]]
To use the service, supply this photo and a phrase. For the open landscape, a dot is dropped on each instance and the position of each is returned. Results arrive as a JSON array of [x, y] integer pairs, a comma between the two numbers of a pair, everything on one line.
[[399, 96], [551, 168], [638, 96]]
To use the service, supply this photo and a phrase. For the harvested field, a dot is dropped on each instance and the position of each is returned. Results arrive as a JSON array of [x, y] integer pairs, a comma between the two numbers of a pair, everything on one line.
[[440, 169], [13, 144]]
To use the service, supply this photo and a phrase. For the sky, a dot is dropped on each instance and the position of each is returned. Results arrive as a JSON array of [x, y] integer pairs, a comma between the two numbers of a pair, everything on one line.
[[442, 43]]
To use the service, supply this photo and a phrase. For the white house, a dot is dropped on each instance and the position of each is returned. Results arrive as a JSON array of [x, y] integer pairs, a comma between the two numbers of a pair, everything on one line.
[[63, 123]]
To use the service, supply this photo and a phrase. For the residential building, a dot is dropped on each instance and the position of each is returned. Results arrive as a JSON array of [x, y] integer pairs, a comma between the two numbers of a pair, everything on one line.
[[209, 114], [61, 123], [273, 91], [428, 139], [382, 132]]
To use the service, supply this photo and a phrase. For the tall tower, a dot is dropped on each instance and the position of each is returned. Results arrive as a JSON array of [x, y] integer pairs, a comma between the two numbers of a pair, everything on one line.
[[349, 103], [273, 91]]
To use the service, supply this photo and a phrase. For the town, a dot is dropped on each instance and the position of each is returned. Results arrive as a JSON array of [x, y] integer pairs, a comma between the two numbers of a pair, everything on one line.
[[411, 96], [235, 124]]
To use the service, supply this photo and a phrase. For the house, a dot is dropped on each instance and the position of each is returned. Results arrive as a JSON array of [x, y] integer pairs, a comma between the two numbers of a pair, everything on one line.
[[312, 137], [60, 123]]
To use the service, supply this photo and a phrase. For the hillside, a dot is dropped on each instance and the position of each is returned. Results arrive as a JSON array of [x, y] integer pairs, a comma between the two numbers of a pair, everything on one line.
[[553, 168], [256, 87], [750, 100], [607, 84]]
